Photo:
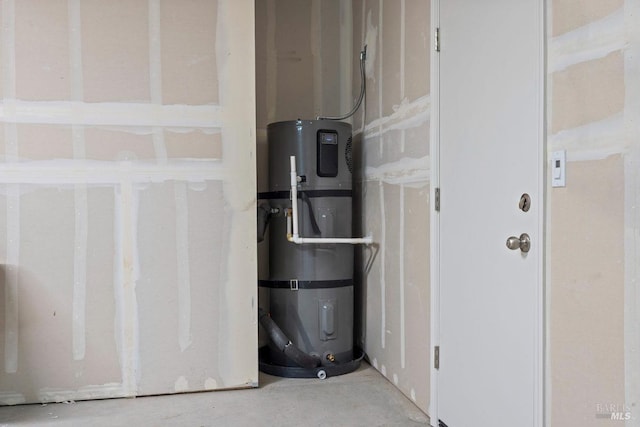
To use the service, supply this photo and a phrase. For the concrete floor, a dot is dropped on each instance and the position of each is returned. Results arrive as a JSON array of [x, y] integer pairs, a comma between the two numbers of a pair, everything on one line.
[[363, 398]]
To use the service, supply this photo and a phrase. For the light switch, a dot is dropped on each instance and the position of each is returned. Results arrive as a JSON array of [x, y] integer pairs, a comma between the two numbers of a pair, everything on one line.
[[558, 168]]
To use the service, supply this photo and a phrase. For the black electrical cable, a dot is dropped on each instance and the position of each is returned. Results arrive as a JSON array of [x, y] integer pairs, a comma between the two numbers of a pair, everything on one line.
[[312, 217]]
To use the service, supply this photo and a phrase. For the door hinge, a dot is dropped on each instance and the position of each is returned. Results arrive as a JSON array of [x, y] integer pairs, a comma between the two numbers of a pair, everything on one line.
[[436, 357], [436, 38], [437, 200]]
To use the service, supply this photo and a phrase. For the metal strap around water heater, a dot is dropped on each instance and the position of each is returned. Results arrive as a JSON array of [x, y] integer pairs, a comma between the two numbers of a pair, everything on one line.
[[305, 284]]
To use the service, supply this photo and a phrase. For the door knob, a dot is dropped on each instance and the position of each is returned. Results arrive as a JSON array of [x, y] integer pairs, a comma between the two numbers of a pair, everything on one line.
[[523, 242]]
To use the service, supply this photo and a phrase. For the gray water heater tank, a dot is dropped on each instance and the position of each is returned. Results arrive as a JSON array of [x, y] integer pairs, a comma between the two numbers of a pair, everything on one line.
[[310, 286]]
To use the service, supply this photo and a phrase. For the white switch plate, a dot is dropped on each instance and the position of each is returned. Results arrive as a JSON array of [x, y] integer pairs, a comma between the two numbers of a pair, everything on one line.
[[559, 168]]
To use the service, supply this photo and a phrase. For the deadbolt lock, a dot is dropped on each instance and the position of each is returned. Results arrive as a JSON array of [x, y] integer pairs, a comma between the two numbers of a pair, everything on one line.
[[525, 203], [523, 242]]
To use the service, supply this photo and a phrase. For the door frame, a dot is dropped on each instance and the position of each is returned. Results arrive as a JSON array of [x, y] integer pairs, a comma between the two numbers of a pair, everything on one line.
[[542, 357]]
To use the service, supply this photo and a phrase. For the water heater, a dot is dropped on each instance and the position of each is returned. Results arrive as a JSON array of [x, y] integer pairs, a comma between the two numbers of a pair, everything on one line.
[[311, 256]]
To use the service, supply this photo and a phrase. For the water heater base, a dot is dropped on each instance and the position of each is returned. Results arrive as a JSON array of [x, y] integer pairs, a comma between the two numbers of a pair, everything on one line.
[[321, 372]]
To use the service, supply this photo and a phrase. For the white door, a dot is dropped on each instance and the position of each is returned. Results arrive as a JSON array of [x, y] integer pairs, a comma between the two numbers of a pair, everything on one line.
[[491, 88]]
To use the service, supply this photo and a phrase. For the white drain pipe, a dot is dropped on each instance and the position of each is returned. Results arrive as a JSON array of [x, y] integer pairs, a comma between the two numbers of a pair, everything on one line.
[[293, 236]]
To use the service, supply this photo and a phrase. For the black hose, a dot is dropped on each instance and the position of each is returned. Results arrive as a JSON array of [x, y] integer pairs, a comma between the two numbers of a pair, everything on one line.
[[284, 344]]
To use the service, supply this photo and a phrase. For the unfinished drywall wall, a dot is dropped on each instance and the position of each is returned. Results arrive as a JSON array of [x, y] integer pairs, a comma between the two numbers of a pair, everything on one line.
[[127, 198], [298, 59], [593, 224], [392, 135]]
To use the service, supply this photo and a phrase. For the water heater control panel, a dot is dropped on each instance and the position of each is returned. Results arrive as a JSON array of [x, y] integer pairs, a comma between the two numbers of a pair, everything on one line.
[[327, 153]]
